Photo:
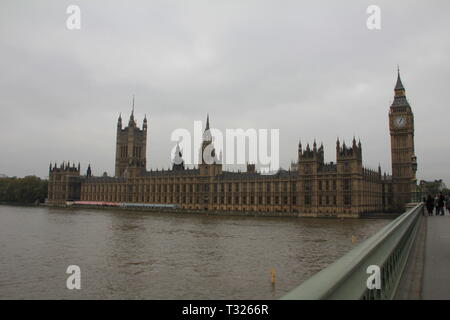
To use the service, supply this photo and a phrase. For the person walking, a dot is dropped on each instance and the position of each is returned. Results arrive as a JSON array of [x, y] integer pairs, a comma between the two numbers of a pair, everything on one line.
[[441, 204], [424, 211], [447, 202], [430, 205], [436, 204]]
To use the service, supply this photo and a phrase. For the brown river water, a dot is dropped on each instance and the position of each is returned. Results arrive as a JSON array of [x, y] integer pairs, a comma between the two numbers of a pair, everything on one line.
[[138, 255]]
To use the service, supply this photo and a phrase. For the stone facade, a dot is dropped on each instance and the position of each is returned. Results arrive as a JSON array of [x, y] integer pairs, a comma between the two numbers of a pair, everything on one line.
[[344, 188], [64, 183]]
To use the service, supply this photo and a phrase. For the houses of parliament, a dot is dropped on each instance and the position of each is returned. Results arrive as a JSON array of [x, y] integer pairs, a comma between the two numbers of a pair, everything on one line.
[[313, 188]]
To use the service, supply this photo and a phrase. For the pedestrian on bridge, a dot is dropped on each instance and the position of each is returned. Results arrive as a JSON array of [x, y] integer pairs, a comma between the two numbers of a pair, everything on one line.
[[440, 205], [424, 201], [447, 202], [430, 205], [436, 204]]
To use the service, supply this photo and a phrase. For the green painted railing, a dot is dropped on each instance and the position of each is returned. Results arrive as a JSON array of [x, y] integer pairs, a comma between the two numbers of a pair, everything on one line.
[[346, 278]]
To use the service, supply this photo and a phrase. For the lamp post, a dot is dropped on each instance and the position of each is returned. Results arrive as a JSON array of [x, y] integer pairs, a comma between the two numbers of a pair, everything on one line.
[[414, 179]]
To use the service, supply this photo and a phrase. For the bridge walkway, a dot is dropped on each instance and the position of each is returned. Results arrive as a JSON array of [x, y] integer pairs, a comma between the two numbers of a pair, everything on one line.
[[436, 277]]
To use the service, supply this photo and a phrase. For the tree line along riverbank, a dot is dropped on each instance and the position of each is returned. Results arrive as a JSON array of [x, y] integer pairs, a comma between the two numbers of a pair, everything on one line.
[[23, 191]]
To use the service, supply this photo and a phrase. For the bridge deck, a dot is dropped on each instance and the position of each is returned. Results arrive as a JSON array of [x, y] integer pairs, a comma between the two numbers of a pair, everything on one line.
[[436, 278], [413, 257]]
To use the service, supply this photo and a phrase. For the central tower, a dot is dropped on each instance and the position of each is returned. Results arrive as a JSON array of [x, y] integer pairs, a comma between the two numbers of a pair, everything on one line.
[[209, 165], [401, 125], [131, 147]]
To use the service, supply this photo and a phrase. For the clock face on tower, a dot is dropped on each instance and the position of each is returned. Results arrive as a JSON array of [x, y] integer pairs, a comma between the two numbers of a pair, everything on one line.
[[400, 121]]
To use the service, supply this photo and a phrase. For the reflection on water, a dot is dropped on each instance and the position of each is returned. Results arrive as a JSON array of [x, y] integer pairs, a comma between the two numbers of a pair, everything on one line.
[[135, 255]]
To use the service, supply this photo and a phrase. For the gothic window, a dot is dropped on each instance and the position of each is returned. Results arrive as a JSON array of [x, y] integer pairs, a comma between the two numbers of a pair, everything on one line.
[[307, 199], [346, 167], [347, 185], [347, 200], [307, 185]]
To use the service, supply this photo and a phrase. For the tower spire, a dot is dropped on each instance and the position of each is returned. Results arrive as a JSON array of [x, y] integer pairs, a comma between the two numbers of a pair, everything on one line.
[[178, 162], [119, 121], [207, 122], [89, 171], [399, 86], [144, 125], [131, 122]]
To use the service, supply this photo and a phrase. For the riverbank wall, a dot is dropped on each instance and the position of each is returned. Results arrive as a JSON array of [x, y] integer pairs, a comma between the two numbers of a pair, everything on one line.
[[231, 213]]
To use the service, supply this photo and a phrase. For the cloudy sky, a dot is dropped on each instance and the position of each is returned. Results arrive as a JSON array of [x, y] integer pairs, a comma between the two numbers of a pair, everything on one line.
[[309, 68]]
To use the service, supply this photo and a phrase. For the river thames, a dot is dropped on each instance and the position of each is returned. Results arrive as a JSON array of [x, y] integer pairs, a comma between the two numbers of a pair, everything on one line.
[[136, 255]]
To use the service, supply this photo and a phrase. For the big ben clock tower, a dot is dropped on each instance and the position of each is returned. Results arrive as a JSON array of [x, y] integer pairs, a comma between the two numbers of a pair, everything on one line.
[[401, 125]]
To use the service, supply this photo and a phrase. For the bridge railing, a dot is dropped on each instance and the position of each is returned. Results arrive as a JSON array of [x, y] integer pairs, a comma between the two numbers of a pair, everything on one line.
[[347, 278]]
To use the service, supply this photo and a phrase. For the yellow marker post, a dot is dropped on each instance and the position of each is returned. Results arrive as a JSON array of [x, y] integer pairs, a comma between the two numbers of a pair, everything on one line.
[[273, 275]]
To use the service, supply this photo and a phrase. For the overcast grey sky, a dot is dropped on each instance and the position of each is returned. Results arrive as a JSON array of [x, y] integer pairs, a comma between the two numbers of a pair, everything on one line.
[[310, 68]]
